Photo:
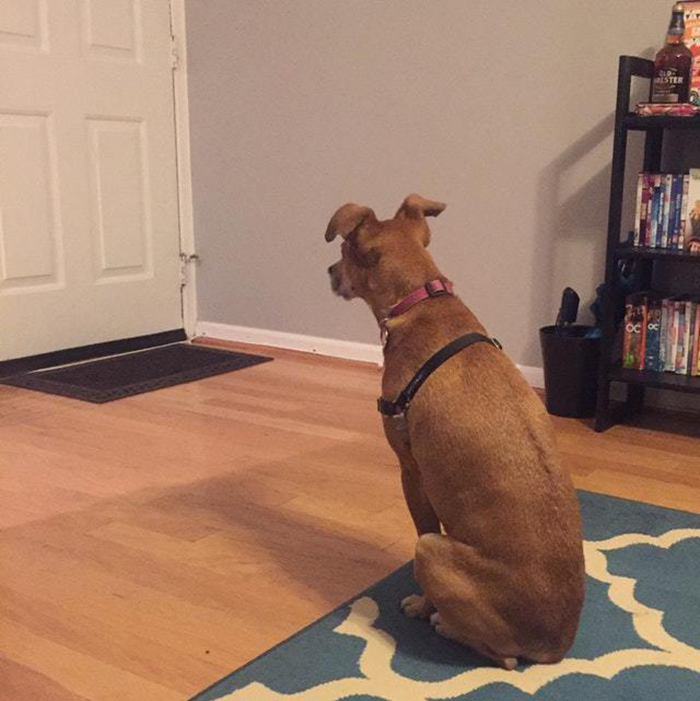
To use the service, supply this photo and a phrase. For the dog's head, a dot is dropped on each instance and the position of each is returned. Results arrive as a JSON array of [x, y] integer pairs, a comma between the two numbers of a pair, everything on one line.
[[382, 260]]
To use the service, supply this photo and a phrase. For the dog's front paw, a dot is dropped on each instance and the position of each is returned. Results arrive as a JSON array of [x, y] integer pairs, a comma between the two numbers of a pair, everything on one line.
[[441, 628], [416, 606], [435, 620]]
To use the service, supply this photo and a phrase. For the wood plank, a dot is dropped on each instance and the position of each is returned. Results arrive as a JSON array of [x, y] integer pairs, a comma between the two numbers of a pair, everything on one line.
[[152, 545]]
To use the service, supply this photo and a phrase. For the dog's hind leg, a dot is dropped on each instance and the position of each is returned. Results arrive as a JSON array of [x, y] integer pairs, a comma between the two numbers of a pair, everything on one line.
[[456, 580], [441, 628]]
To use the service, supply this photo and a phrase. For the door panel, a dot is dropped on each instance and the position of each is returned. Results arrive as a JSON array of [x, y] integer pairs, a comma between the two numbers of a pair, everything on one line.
[[89, 240]]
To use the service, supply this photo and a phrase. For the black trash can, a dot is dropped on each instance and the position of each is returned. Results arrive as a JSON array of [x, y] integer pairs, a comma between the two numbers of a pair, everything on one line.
[[570, 370]]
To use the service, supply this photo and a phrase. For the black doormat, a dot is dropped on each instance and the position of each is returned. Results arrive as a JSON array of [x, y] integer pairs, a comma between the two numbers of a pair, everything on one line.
[[135, 373]]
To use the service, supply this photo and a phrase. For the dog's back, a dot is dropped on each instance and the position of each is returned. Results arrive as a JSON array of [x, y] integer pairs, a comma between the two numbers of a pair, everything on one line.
[[485, 448]]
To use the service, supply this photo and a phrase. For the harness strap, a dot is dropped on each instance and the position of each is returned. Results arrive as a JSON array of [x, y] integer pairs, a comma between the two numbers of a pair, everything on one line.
[[400, 406]]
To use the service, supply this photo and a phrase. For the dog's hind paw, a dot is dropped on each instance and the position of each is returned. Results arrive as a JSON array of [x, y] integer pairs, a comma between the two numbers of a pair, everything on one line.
[[416, 606], [509, 663]]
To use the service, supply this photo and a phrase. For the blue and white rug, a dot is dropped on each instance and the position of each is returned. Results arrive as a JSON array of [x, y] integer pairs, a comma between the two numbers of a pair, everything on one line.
[[639, 638]]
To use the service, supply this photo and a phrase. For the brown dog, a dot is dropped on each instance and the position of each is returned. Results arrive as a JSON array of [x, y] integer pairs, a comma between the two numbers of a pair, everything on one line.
[[477, 456]]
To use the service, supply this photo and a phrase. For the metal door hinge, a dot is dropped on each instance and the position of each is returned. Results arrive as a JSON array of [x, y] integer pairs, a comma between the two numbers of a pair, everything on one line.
[[174, 54], [185, 260]]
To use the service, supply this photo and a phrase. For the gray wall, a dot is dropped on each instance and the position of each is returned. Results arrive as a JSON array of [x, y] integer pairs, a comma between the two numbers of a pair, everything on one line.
[[502, 110]]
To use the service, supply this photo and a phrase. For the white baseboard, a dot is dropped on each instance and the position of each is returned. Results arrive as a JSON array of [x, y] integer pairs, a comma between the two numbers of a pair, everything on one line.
[[335, 348], [371, 353]]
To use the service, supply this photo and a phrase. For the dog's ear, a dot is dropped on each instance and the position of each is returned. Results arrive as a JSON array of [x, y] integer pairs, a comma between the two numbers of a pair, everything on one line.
[[417, 207], [347, 219]]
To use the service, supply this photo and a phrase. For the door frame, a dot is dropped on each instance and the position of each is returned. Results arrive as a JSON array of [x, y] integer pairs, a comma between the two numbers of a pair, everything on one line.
[[178, 32]]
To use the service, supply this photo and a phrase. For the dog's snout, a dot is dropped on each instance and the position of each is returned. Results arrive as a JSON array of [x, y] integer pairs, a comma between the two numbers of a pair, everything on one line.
[[339, 284]]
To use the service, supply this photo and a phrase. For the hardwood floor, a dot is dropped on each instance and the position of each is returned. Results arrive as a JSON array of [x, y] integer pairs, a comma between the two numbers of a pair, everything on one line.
[[152, 545]]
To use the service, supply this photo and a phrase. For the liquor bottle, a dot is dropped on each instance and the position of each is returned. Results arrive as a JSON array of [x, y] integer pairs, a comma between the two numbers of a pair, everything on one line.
[[671, 80]]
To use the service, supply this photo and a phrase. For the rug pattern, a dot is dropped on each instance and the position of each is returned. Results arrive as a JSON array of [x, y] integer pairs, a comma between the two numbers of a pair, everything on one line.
[[639, 639]]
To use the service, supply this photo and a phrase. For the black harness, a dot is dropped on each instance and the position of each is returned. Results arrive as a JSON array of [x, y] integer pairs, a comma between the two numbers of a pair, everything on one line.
[[400, 406]]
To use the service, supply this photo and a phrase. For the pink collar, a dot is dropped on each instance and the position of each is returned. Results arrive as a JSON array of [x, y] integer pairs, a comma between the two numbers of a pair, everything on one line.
[[432, 288]]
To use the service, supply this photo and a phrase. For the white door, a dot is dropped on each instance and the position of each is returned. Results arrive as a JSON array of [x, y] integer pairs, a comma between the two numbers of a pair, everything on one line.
[[89, 245]]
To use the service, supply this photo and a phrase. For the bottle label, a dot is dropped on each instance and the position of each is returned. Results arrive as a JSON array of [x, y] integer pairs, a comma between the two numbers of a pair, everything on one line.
[[668, 84]]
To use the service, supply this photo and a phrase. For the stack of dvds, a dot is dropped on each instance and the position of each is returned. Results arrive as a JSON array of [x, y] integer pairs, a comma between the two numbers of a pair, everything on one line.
[[662, 334], [662, 210]]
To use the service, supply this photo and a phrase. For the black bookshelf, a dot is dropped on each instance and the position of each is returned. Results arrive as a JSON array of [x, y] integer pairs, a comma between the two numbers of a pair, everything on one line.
[[634, 122], [654, 129], [660, 380], [629, 251]]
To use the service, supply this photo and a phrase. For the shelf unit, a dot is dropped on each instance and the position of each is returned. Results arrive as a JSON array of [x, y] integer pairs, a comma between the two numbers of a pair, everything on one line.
[[625, 250], [610, 369]]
